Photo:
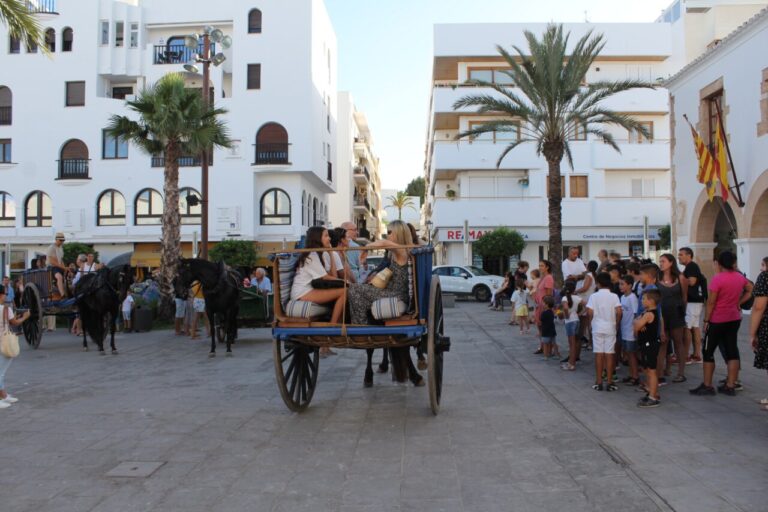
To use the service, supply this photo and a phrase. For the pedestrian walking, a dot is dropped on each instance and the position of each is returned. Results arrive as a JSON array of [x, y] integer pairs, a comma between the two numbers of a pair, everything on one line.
[[758, 326]]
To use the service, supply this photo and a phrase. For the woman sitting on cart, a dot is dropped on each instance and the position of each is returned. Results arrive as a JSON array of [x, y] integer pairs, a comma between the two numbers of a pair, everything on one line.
[[362, 296], [310, 267]]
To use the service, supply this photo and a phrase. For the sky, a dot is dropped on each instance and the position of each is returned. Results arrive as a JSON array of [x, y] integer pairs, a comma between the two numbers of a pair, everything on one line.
[[385, 59]]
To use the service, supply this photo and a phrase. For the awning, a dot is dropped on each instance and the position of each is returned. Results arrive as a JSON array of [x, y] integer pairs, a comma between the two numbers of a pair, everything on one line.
[[148, 255]]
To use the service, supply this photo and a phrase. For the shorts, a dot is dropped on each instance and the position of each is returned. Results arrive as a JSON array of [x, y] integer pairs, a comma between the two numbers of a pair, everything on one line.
[[547, 341], [628, 345], [127, 316], [649, 354], [199, 305], [603, 343], [522, 311], [181, 308], [57, 270], [571, 328], [725, 336], [693, 315]]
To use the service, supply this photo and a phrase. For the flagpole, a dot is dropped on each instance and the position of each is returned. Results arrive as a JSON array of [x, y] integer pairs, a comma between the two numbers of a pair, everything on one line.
[[736, 183]]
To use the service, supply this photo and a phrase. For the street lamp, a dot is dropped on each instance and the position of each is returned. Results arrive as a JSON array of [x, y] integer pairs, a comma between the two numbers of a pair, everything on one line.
[[429, 225], [193, 42]]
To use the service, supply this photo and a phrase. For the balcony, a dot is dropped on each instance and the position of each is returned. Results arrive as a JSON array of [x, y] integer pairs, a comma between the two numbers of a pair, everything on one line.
[[177, 53], [652, 154], [41, 6], [272, 154], [73, 169], [184, 161], [465, 155], [361, 204], [6, 115], [361, 175]]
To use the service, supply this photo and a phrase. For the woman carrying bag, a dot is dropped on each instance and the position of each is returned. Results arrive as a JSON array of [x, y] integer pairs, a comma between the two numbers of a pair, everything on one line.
[[7, 319]]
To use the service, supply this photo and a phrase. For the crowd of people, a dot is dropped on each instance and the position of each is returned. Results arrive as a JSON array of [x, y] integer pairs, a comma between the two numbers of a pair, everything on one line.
[[655, 319]]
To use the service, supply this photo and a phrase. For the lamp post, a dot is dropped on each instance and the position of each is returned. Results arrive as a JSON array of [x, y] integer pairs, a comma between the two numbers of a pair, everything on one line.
[[193, 42]]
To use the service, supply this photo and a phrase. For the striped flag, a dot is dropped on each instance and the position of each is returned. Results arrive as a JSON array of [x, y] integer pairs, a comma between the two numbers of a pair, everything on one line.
[[707, 171], [721, 161]]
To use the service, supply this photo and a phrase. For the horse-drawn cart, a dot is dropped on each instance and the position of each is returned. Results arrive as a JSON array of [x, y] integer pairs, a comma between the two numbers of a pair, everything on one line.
[[297, 339], [37, 297]]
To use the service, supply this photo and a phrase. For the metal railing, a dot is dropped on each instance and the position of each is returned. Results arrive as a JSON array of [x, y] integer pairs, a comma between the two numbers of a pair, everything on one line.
[[41, 6], [362, 202], [184, 161], [177, 53], [6, 115], [73, 169], [270, 154], [363, 171]]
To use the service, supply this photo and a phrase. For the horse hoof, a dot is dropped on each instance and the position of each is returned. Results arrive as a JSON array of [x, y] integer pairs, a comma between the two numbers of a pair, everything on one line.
[[114, 352], [422, 365], [229, 354], [419, 383], [212, 354], [367, 383], [383, 368], [85, 349]]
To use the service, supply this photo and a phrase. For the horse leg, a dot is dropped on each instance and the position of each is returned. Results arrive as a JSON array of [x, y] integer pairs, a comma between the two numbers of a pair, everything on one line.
[[85, 337], [368, 379], [211, 319], [229, 326], [422, 364], [384, 365], [413, 374], [102, 333], [113, 328]]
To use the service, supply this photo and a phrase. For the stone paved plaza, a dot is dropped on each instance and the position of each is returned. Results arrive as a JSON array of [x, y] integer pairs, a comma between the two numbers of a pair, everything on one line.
[[515, 433]]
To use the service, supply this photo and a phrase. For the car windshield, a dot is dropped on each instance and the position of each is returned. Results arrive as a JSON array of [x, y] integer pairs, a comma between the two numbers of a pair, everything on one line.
[[478, 271]]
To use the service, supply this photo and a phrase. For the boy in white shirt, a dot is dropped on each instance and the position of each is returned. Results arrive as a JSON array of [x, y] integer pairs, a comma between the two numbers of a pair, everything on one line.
[[629, 304], [604, 313], [128, 305]]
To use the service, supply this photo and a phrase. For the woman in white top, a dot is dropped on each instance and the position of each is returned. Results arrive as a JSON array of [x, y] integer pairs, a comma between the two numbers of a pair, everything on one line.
[[6, 310], [339, 239], [584, 289], [310, 267]]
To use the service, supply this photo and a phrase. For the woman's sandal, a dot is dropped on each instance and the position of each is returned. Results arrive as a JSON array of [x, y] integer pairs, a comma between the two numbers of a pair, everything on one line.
[[763, 401]]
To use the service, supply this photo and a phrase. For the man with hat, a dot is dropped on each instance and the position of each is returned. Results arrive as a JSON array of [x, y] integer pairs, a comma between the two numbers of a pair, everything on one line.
[[55, 256]]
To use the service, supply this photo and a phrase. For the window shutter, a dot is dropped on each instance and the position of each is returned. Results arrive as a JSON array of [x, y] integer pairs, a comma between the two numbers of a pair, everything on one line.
[[75, 94], [254, 76], [579, 187], [637, 188]]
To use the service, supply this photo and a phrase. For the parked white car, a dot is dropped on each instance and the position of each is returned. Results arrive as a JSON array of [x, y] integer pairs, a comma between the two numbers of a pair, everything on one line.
[[467, 281]]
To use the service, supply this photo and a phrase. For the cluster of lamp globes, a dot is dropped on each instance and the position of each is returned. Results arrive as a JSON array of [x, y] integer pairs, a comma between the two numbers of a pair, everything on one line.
[[193, 43]]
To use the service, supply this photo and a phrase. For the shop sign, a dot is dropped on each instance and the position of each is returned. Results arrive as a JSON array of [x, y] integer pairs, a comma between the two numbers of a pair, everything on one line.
[[541, 234]]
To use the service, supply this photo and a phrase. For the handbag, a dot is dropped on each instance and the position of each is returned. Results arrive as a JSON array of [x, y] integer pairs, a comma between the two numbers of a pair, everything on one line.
[[9, 342], [327, 284], [381, 280]]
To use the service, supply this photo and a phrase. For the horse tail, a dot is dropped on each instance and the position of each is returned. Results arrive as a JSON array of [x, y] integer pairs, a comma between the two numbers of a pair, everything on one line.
[[399, 358], [93, 323]]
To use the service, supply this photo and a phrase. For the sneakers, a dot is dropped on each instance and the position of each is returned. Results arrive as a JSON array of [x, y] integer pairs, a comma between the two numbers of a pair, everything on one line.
[[703, 390], [10, 399], [724, 389], [567, 367], [597, 387], [611, 387], [4, 404], [737, 386], [648, 402]]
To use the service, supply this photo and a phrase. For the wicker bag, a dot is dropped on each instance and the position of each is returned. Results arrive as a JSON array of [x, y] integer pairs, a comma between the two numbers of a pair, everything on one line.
[[9, 342]]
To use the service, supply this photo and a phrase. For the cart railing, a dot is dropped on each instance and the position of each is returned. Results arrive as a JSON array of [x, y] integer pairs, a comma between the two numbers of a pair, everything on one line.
[[41, 278]]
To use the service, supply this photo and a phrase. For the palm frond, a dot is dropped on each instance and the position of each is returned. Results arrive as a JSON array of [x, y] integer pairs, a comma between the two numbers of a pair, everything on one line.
[[512, 145]]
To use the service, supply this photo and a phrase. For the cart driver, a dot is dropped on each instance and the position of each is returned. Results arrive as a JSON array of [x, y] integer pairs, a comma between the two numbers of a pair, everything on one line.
[[55, 257]]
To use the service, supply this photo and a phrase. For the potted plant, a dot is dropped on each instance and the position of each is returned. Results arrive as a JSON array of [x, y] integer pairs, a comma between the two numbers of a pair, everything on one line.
[[523, 182], [450, 194]]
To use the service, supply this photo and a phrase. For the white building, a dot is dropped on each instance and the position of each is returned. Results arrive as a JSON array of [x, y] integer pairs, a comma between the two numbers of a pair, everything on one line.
[[62, 174], [733, 74], [358, 183], [607, 195]]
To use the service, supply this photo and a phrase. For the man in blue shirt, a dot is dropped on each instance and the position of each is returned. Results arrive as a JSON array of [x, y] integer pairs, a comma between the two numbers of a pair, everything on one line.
[[10, 293], [353, 257], [261, 281]]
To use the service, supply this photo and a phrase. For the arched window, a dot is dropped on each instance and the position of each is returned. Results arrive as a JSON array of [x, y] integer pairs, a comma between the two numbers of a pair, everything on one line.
[[148, 208], [271, 145], [7, 210], [190, 206], [66, 39], [303, 205], [314, 212], [254, 21], [275, 208], [38, 210], [73, 162], [110, 209], [6, 105], [50, 39]]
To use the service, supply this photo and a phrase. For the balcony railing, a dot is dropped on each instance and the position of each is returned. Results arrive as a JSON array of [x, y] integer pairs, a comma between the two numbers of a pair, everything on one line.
[[362, 171], [177, 53], [6, 115], [184, 161], [271, 154], [73, 169], [41, 6], [362, 202]]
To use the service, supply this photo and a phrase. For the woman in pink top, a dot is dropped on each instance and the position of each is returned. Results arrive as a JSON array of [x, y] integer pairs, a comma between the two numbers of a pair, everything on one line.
[[728, 290], [545, 286]]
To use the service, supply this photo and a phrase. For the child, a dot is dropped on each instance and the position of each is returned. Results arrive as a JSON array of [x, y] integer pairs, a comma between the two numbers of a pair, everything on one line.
[[127, 309], [633, 269], [647, 329], [604, 313], [532, 284], [548, 332], [628, 307], [571, 309], [520, 305], [649, 275]]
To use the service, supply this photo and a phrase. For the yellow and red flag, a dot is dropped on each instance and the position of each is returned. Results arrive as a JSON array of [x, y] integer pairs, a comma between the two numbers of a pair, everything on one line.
[[707, 171], [721, 161]]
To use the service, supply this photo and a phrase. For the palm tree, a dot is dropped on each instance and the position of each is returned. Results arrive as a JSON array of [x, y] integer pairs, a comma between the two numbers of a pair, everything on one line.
[[552, 106], [400, 201], [21, 22], [172, 122]]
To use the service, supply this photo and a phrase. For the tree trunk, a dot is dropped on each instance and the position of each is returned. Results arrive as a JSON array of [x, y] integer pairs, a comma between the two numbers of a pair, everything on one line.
[[555, 254], [171, 232]]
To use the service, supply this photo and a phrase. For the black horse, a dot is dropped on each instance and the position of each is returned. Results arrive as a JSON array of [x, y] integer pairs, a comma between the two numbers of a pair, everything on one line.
[[221, 289], [99, 296], [402, 366]]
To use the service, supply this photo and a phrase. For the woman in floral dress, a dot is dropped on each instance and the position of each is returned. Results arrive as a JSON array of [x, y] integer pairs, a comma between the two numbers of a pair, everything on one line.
[[759, 323]]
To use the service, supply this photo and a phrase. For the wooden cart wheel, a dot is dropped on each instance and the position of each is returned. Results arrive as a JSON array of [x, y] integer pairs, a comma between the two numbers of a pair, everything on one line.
[[296, 368], [33, 326], [434, 350]]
